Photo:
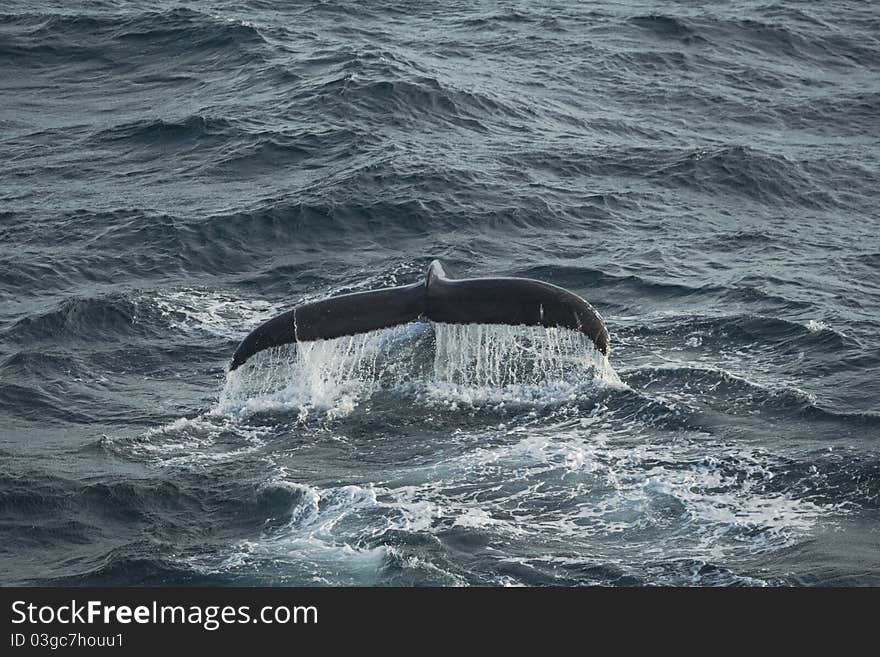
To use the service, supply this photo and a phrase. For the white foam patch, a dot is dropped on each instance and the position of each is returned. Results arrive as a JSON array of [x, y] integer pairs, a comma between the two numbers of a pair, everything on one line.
[[475, 518], [192, 442], [816, 326], [569, 486], [708, 506], [309, 546], [218, 313], [334, 536]]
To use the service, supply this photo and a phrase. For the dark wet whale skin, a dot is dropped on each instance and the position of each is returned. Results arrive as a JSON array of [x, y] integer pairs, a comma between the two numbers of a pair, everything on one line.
[[510, 301]]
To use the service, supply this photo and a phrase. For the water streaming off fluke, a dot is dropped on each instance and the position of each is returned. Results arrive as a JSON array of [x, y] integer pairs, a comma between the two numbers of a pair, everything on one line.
[[332, 375]]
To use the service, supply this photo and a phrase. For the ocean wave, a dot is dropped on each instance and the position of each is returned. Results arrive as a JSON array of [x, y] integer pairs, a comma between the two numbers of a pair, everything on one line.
[[731, 169], [418, 99], [269, 151], [509, 15], [90, 319], [744, 171], [167, 134], [668, 27], [734, 332], [785, 32], [699, 386], [141, 317], [111, 38], [856, 113]]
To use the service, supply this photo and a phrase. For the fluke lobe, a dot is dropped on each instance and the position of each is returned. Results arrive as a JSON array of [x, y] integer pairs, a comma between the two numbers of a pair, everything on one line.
[[512, 301]]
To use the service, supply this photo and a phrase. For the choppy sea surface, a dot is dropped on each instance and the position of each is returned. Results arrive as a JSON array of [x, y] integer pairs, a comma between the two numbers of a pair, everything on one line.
[[705, 174]]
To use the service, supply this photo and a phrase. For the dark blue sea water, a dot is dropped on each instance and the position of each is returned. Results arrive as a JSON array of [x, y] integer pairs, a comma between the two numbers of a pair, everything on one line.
[[705, 174]]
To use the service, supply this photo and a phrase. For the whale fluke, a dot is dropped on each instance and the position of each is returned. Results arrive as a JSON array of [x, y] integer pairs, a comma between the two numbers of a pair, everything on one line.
[[439, 298]]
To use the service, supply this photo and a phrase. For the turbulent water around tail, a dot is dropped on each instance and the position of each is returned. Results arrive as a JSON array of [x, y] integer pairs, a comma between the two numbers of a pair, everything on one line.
[[176, 173]]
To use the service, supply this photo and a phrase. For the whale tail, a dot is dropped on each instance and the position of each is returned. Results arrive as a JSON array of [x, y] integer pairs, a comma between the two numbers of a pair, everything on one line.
[[439, 298]]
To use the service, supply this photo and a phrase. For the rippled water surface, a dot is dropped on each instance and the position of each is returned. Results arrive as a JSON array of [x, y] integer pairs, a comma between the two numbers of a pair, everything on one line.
[[706, 175]]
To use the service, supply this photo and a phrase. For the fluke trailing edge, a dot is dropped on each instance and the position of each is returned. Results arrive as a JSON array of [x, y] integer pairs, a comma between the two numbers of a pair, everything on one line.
[[438, 298]]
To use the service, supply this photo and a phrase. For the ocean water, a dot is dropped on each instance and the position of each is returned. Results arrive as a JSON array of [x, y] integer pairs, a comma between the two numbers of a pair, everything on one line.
[[705, 174]]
